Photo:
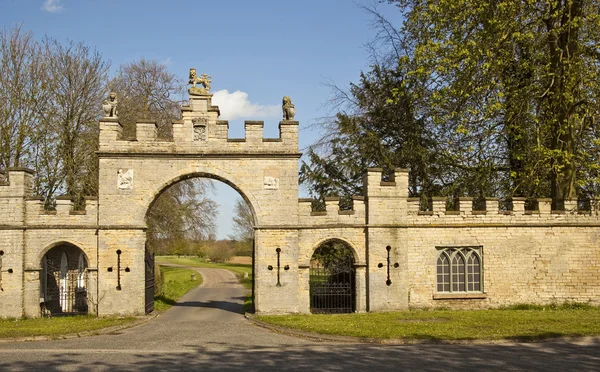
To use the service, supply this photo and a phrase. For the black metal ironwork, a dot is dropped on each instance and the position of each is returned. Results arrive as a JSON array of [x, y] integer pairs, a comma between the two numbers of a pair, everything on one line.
[[332, 286], [286, 267], [396, 265], [149, 264], [9, 271], [110, 269], [64, 295]]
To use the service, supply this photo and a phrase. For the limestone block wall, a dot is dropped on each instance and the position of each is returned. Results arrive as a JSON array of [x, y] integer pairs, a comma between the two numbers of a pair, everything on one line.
[[539, 256], [386, 213], [27, 232], [520, 265], [12, 216]]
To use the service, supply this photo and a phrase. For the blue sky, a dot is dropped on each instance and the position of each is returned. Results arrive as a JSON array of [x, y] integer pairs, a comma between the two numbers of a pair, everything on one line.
[[256, 51]]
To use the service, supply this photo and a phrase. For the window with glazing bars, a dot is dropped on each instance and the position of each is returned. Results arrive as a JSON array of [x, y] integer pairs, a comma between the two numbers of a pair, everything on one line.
[[459, 269]]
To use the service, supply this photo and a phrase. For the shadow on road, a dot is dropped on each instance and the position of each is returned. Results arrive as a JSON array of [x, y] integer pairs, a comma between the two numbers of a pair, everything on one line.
[[362, 357], [233, 307]]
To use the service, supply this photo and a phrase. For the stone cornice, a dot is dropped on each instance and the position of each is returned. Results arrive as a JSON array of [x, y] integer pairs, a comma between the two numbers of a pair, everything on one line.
[[72, 227], [208, 155]]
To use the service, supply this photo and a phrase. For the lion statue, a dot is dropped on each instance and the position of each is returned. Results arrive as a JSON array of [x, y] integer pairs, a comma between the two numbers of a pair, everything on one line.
[[110, 105], [204, 79], [289, 110]]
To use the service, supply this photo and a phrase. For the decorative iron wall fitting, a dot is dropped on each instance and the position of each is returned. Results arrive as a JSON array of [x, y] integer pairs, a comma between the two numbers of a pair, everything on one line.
[[286, 267], [110, 269], [396, 265], [9, 271]]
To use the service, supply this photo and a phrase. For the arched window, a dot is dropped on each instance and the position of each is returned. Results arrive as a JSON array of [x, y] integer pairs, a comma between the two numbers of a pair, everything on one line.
[[459, 269]]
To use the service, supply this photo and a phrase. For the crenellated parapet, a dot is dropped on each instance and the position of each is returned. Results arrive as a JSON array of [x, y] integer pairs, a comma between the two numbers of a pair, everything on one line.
[[332, 215], [64, 214], [199, 131], [389, 204], [20, 208]]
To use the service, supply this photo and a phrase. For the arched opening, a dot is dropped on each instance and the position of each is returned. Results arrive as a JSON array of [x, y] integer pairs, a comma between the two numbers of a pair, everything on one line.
[[198, 219], [332, 278], [63, 281]]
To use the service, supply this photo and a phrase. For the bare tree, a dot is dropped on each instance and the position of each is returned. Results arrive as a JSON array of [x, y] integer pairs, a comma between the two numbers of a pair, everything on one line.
[[182, 213], [243, 222], [147, 90], [21, 86], [76, 83]]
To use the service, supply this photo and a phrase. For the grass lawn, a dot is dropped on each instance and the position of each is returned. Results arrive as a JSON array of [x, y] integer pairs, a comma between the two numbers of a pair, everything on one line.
[[239, 269], [57, 326], [512, 324], [177, 282]]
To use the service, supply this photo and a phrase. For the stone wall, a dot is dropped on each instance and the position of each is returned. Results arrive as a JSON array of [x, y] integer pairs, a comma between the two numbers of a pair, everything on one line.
[[540, 256], [27, 232]]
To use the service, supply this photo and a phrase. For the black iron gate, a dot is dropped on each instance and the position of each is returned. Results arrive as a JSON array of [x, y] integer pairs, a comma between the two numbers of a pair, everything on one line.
[[63, 293], [332, 286], [149, 263]]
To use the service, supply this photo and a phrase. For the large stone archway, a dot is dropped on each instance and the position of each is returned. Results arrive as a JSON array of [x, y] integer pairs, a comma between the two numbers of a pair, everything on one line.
[[134, 172]]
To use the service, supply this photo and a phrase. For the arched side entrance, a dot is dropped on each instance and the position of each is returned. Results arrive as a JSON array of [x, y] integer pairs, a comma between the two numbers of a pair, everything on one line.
[[332, 279], [63, 281]]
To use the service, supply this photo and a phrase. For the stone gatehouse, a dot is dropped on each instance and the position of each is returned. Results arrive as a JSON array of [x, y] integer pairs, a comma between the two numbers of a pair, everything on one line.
[[401, 257]]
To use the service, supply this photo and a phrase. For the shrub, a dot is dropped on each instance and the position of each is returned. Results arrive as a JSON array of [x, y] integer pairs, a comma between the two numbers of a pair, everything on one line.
[[220, 251]]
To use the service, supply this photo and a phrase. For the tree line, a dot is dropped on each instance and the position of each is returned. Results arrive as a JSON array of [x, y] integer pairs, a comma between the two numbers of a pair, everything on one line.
[[478, 98]]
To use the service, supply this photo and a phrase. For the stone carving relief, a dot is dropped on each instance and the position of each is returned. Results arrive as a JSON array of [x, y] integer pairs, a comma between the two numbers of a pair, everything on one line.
[[203, 79], [125, 179], [200, 129], [110, 105], [199, 134], [271, 183], [289, 110]]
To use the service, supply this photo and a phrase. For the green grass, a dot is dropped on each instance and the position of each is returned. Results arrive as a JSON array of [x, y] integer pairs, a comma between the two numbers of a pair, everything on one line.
[[57, 326], [239, 269], [511, 324], [177, 282]]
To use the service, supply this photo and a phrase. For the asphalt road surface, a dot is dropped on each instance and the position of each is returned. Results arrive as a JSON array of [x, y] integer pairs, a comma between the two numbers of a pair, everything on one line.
[[206, 331]]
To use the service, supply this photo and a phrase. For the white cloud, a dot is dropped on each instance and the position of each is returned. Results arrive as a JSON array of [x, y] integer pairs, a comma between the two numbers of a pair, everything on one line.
[[236, 105], [52, 6]]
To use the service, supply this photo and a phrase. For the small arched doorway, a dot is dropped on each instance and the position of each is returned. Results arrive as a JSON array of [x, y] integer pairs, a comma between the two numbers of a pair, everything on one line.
[[63, 281], [332, 278]]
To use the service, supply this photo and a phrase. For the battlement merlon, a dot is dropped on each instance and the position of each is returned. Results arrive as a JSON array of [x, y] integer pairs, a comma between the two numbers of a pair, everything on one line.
[[332, 215], [17, 183], [376, 187], [64, 215], [111, 131], [386, 200]]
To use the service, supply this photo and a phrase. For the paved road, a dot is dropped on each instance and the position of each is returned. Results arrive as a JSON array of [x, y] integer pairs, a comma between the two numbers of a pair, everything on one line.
[[207, 331]]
